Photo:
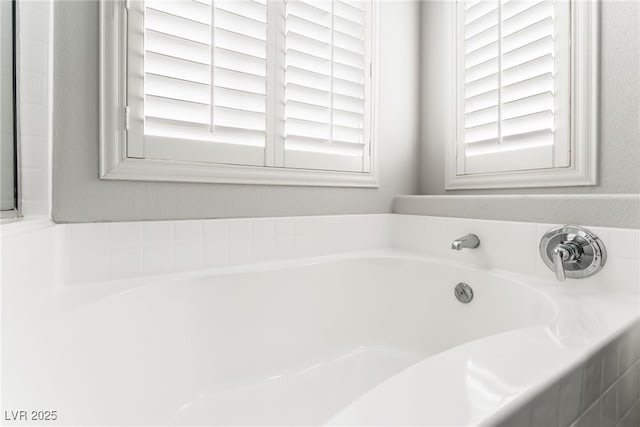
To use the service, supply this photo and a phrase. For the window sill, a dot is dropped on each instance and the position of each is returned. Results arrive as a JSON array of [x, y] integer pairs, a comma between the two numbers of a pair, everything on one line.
[[559, 177], [181, 171]]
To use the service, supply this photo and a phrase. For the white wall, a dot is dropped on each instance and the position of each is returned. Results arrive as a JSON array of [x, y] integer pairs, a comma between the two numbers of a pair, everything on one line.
[[80, 196]]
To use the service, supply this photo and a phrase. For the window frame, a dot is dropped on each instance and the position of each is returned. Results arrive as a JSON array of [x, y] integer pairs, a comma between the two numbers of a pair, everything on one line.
[[584, 111], [119, 162]]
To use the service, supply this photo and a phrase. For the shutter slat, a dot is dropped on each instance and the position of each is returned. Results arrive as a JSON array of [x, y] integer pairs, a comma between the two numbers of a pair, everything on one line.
[[241, 25], [479, 9], [541, 120], [308, 13], [482, 85], [177, 47], [535, 67], [191, 10], [306, 94], [481, 70], [237, 100], [481, 24], [487, 37], [525, 88], [236, 118], [481, 101], [348, 27], [249, 9], [173, 109], [308, 112], [482, 55], [177, 26], [240, 62], [233, 79], [163, 65], [184, 90], [481, 117], [534, 13]]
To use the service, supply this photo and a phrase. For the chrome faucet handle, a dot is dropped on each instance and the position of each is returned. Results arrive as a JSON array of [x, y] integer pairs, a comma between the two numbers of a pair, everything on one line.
[[559, 255], [572, 251]]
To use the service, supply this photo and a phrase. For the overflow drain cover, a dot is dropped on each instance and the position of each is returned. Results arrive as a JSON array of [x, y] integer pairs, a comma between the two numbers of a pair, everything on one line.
[[464, 293]]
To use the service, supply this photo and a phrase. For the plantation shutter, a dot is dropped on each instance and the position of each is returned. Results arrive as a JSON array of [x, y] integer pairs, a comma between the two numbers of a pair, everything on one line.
[[205, 75], [514, 79], [327, 90]]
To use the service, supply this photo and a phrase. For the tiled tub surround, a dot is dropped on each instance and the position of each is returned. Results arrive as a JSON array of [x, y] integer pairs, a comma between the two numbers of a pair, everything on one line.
[[102, 251], [83, 262], [603, 391]]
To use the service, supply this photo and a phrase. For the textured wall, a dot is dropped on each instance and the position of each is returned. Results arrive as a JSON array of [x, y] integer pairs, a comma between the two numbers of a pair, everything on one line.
[[619, 103], [80, 196]]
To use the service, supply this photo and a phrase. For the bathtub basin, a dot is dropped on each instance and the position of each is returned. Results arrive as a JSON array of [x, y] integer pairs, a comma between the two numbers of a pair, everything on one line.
[[309, 342]]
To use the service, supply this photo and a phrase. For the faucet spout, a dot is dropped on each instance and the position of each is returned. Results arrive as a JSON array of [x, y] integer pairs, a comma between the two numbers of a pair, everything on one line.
[[470, 241]]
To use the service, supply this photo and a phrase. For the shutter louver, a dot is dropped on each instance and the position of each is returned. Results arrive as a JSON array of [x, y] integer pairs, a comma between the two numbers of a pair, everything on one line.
[[326, 71], [509, 82], [205, 80]]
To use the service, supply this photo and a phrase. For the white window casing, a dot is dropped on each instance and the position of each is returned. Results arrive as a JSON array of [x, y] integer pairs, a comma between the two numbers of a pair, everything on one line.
[[227, 91], [522, 94]]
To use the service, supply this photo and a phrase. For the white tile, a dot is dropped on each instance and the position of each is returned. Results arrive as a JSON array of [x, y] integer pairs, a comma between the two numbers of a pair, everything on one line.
[[264, 229], [409, 233], [86, 236], [545, 408], [240, 229], [591, 417], [628, 389], [88, 257], [125, 262], [494, 243], [33, 55], [305, 226], [285, 247], [158, 235], [632, 419], [240, 251], [188, 245], [125, 234], [33, 89], [306, 246], [522, 247], [609, 364], [570, 396], [284, 227], [608, 408], [34, 184], [629, 348], [216, 243], [613, 270], [34, 22], [592, 380], [34, 152], [521, 418], [263, 250], [89, 265], [624, 244], [158, 259]]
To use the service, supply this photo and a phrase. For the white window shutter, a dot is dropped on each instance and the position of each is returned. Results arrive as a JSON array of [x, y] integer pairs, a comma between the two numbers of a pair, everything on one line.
[[327, 85], [205, 80], [513, 80]]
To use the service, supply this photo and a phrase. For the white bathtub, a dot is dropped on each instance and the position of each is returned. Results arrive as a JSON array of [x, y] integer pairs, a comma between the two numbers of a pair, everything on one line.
[[374, 338]]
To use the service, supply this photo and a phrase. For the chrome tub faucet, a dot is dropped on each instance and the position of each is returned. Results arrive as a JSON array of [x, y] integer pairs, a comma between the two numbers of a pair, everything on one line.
[[470, 241]]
